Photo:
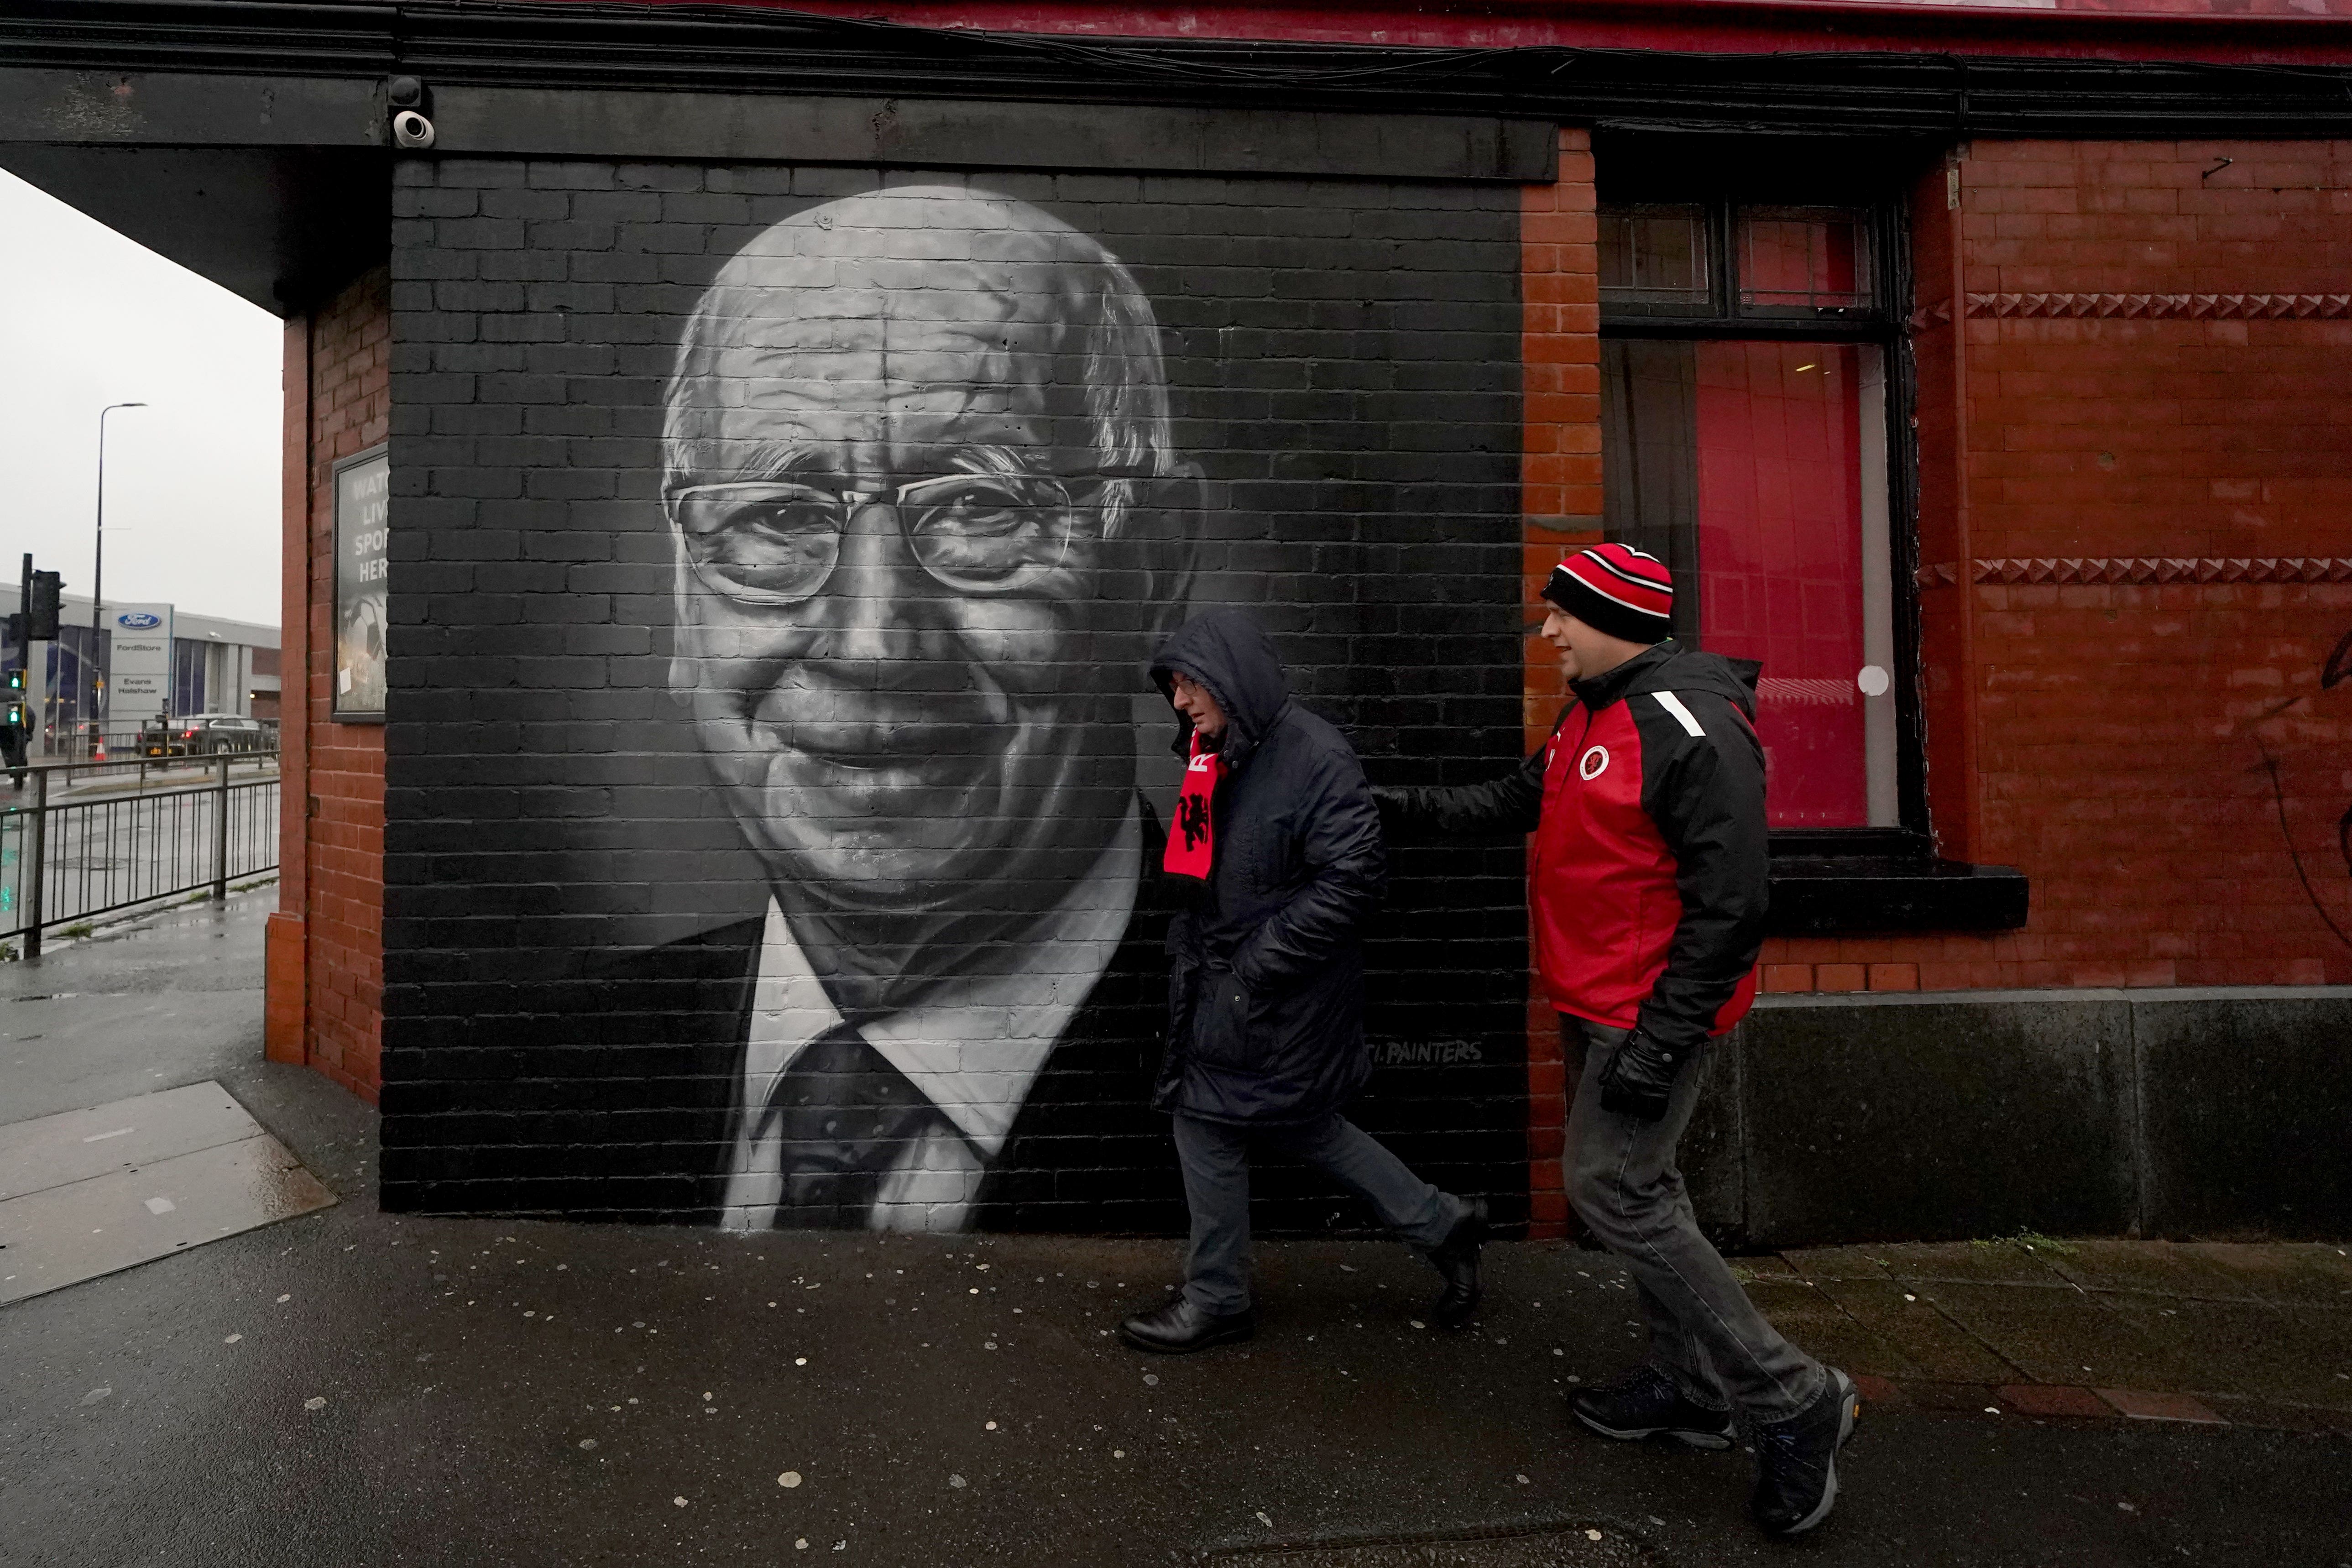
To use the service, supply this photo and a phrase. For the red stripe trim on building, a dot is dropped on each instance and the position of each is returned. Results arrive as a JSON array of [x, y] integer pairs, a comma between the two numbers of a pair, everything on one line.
[[2146, 569], [2186, 307], [2276, 36]]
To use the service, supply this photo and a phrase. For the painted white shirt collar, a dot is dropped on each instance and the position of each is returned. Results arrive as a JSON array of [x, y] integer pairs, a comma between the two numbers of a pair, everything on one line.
[[973, 1046]]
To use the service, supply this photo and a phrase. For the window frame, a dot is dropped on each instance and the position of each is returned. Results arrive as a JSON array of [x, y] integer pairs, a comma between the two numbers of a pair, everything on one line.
[[1883, 324]]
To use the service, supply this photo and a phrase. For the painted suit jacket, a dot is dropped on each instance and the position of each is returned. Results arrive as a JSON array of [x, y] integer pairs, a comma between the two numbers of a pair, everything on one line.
[[1086, 1153]]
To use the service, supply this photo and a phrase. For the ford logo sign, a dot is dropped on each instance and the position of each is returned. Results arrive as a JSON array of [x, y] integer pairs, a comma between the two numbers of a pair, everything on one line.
[[139, 620]]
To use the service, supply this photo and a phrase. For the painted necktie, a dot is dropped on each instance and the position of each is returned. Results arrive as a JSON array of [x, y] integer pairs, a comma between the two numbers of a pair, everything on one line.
[[845, 1116]]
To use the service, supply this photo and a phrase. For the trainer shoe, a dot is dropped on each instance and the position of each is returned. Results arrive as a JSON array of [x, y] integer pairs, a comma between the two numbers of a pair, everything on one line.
[[1645, 1403], [1795, 1459]]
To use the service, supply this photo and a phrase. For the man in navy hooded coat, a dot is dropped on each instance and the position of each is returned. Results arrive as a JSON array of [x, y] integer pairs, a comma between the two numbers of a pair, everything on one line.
[[1266, 1025]]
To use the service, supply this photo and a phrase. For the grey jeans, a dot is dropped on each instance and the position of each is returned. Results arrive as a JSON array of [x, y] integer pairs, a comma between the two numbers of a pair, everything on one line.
[[1703, 1332], [1216, 1159]]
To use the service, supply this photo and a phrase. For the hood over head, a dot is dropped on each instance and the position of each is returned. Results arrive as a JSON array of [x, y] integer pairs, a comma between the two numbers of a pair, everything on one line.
[[1229, 654]]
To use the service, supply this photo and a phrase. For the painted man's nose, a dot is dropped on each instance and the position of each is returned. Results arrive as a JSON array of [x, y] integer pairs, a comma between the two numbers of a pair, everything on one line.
[[873, 583]]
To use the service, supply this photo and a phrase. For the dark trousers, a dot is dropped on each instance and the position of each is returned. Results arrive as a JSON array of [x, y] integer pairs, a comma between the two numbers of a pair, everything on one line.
[[1704, 1334], [1214, 1156]]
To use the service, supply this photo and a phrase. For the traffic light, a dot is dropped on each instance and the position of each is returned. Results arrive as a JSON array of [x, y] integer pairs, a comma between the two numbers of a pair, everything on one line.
[[48, 588], [12, 707], [16, 628]]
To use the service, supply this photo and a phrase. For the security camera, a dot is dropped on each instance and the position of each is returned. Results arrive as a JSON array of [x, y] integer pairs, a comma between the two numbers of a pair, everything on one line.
[[412, 129]]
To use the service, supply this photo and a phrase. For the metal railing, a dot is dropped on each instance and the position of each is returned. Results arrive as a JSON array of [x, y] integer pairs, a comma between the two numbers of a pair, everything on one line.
[[79, 840]]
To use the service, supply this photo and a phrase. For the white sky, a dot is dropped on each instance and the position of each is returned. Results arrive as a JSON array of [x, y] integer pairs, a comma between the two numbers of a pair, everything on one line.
[[89, 318]]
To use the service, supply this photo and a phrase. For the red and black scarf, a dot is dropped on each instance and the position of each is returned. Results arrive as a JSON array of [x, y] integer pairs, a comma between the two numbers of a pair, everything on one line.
[[1192, 837]]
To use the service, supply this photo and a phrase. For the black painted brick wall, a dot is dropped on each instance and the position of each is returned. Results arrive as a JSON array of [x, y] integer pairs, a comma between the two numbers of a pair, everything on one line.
[[1343, 361]]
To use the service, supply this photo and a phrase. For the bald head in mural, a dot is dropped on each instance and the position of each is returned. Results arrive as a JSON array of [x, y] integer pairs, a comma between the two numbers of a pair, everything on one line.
[[928, 518]]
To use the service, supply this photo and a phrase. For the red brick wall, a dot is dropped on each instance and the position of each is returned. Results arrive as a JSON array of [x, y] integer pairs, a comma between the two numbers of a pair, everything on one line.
[[325, 946], [1561, 350], [2124, 489]]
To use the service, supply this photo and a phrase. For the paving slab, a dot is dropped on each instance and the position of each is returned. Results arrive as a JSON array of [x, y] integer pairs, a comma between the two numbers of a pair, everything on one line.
[[75, 1145], [2318, 1347], [86, 1193], [1837, 1262], [1981, 1262], [2139, 1405], [2065, 1337], [2153, 1267], [2044, 1399], [1811, 1320], [1942, 1349], [2249, 1348], [1953, 1398], [2315, 1274]]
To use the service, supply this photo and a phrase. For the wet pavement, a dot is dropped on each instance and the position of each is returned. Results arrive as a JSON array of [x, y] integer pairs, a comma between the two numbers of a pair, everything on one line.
[[174, 999], [353, 1388]]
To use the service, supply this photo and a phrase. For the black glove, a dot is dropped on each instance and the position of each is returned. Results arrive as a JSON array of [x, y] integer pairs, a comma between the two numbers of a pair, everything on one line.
[[1639, 1078]]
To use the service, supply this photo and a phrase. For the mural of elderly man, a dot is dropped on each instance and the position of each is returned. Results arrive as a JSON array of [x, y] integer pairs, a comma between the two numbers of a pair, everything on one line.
[[927, 518]]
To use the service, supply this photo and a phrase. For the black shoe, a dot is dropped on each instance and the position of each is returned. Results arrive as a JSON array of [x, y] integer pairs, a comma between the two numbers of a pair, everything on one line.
[[1645, 1403], [1795, 1459], [1457, 1257], [1180, 1327]]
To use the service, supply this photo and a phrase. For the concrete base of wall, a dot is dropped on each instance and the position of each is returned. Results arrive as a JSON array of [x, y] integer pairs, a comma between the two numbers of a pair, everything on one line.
[[2196, 1111]]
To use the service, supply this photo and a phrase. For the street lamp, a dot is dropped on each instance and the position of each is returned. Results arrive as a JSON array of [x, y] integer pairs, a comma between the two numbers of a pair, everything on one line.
[[98, 581]]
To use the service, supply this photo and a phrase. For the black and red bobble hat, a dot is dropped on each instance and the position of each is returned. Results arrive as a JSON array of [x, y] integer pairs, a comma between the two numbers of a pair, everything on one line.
[[1616, 589]]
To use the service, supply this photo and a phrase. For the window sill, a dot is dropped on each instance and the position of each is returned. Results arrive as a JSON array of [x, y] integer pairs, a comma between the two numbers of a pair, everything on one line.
[[1844, 895]]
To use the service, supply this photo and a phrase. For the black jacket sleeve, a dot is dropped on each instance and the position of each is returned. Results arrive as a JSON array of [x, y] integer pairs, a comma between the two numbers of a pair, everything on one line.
[[1497, 809], [1708, 805], [1345, 872]]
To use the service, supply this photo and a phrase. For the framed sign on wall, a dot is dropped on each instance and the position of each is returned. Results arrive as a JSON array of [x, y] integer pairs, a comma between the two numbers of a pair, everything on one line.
[[362, 492]]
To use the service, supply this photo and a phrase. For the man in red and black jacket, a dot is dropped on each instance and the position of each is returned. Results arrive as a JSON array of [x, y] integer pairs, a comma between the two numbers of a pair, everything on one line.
[[1647, 889]]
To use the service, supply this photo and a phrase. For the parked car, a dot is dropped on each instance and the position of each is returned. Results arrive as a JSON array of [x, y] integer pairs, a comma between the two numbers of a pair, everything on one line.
[[205, 734]]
